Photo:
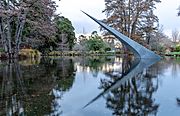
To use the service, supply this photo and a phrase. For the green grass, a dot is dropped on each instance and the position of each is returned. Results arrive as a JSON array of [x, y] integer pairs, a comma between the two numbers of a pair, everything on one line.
[[174, 53]]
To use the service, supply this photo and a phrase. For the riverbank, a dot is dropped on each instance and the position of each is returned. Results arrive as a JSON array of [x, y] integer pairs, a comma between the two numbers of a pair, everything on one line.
[[175, 54], [81, 53], [33, 53]]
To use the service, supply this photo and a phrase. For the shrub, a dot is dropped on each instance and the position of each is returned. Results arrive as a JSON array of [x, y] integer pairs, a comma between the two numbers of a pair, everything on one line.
[[1, 50], [107, 49], [30, 53], [177, 48], [55, 53], [29, 62]]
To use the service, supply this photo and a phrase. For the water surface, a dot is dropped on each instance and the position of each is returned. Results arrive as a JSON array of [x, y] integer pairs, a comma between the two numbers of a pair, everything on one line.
[[84, 86]]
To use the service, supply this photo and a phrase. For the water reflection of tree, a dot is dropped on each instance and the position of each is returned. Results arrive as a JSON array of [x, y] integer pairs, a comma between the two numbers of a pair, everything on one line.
[[65, 78], [25, 88], [95, 63], [126, 63], [11, 77], [135, 96]]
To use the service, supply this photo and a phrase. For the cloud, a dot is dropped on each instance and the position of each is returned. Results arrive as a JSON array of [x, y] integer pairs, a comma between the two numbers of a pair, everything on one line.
[[166, 11], [167, 14], [72, 10]]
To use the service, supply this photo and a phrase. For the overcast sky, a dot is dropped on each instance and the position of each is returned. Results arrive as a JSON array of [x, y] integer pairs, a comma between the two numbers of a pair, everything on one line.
[[166, 12]]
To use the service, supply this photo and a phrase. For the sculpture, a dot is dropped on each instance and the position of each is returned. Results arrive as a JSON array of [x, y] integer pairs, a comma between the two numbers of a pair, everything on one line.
[[144, 58], [138, 50]]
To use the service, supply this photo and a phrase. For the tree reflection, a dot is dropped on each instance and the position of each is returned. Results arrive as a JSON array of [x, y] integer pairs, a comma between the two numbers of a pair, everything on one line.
[[28, 89], [12, 89], [65, 78], [133, 98], [96, 64], [131, 93], [37, 88]]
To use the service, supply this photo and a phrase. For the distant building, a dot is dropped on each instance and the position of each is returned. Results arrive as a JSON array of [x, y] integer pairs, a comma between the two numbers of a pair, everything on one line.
[[113, 41]]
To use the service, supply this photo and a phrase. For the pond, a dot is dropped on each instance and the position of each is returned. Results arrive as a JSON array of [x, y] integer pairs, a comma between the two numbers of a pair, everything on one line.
[[89, 86]]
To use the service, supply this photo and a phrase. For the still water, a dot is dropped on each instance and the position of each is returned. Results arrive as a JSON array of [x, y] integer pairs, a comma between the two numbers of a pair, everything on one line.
[[89, 86]]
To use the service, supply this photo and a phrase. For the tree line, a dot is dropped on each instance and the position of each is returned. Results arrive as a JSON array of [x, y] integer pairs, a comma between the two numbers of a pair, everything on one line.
[[137, 20], [32, 22], [134, 18]]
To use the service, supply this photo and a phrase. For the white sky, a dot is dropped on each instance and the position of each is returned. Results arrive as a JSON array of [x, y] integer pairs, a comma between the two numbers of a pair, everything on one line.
[[166, 12], [72, 10]]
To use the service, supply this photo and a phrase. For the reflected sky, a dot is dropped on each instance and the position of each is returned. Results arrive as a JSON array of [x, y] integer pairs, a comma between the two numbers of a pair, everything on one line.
[[169, 87], [63, 86]]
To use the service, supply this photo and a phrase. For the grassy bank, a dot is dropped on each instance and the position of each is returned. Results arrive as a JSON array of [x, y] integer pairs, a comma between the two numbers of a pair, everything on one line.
[[79, 53], [176, 54]]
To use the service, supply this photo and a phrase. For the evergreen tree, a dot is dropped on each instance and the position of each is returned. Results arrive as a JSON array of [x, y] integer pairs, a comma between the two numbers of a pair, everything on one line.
[[65, 31], [96, 43]]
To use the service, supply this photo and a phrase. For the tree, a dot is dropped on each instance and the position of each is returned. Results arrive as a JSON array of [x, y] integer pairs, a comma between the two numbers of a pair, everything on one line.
[[65, 31], [175, 35], [159, 41], [134, 18], [179, 11], [18, 17], [12, 19], [39, 31], [95, 43]]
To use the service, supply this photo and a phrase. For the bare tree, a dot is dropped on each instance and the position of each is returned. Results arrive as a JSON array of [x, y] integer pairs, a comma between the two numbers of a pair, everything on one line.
[[175, 35], [134, 18], [179, 11]]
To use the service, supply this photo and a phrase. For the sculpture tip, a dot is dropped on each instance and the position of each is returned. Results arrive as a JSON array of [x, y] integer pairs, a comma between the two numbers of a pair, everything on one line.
[[83, 12]]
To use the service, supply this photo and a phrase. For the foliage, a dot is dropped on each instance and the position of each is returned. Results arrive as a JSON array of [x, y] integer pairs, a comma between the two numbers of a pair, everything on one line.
[[64, 26], [39, 31], [134, 18], [1, 50], [39, 20], [177, 48], [175, 35], [79, 47], [160, 48], [65, 53], [159, 40], [65, 83], [25, 19], [30, 53], [95, 43], [47, 46], [174, 53], [95, 63], [30, 62], [55, 53]]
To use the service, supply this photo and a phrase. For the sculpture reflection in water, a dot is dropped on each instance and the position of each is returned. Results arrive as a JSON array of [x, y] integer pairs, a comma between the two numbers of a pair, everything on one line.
[[131, 93], [34, 88], [124, 96]]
